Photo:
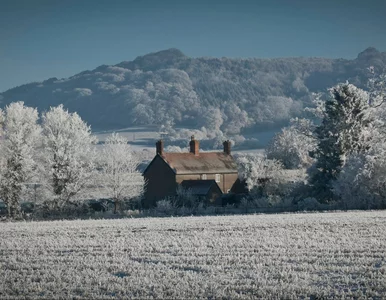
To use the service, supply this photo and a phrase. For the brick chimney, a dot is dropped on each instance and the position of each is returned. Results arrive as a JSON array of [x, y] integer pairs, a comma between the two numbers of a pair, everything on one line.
[[227, 147], [194, 146], [159, 147]]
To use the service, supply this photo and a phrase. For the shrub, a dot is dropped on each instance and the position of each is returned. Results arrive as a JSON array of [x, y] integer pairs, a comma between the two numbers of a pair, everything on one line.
[[309, 204], [165, 206]]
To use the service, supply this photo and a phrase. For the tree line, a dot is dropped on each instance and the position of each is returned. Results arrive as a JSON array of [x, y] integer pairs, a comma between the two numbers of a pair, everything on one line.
[[342, 149], [57, 153]]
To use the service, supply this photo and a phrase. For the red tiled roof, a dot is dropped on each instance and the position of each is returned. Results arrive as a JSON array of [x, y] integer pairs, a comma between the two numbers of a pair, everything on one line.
[[205, 162]]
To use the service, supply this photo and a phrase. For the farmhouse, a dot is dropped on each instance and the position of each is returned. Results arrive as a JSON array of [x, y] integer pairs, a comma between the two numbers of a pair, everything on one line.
[[206, 174]]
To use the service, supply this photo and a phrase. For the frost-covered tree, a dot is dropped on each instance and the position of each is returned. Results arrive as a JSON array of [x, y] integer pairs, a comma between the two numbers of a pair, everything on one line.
[[211, 119], [292, 146], [19, 139], [67, 157], [262, 176], [362, 181], [142, 114], [235, 119], [377, 87], [344, 129], [119, 178], [276, 109]]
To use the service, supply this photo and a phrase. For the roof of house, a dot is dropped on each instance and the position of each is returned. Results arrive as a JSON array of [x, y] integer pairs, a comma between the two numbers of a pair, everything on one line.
[[199, 187], [204, 162]]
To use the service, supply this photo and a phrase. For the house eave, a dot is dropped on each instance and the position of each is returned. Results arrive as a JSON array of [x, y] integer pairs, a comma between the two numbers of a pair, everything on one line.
[[205, 172]]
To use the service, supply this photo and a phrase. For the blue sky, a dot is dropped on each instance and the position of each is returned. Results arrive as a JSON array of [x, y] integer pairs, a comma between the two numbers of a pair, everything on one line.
[[40, 39]]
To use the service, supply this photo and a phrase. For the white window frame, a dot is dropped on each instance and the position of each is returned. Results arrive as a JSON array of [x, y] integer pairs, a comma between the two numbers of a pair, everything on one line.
[[218, 178], [203, 177]]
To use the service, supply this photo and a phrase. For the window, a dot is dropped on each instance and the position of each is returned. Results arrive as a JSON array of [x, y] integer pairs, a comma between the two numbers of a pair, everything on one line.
[[203, 176], [218, 177]]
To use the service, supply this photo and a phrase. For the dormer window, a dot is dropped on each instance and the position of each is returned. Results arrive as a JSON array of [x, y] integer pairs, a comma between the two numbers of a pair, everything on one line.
[[203, 176]]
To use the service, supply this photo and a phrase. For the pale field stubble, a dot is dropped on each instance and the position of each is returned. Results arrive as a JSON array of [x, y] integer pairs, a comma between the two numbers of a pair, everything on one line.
[[268, 256]]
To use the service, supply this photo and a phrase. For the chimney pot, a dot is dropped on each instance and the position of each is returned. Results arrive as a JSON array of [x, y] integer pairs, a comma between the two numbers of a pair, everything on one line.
[[159, 147], [227, 147], [194, 146]]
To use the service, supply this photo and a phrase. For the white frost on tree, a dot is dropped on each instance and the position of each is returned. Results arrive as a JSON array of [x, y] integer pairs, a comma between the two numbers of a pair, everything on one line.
[[235, 119], [212, 119], [377, 87], [292, 145], [346, 126], [362, 180], [118, 176], [19, 139], [261, 175], [67, 156]]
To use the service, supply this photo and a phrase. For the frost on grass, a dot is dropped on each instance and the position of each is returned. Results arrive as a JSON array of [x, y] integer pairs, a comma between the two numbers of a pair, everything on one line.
[[329, 255]]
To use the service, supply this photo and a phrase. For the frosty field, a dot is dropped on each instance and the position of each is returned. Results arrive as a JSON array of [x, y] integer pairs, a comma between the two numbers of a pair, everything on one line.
[[268, 256]]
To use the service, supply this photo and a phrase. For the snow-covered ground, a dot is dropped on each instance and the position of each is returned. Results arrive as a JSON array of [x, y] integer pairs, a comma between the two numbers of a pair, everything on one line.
[[140, 137], [317, 255]]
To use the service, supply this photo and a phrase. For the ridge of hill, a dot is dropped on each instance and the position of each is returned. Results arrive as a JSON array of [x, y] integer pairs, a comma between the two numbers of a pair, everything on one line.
[[168, 87]]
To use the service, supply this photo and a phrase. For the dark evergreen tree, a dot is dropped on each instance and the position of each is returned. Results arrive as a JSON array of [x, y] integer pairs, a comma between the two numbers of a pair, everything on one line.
[[344, 129]]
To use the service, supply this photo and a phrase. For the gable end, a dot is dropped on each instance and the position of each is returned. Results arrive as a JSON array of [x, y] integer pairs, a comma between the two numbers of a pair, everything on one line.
[[154, 159]]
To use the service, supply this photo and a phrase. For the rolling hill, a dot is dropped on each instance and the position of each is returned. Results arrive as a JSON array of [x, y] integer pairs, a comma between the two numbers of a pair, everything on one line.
[[168, 87]]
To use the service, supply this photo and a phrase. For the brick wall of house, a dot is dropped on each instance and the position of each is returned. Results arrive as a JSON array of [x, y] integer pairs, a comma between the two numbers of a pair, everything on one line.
[[229, 181], [161, 182]]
